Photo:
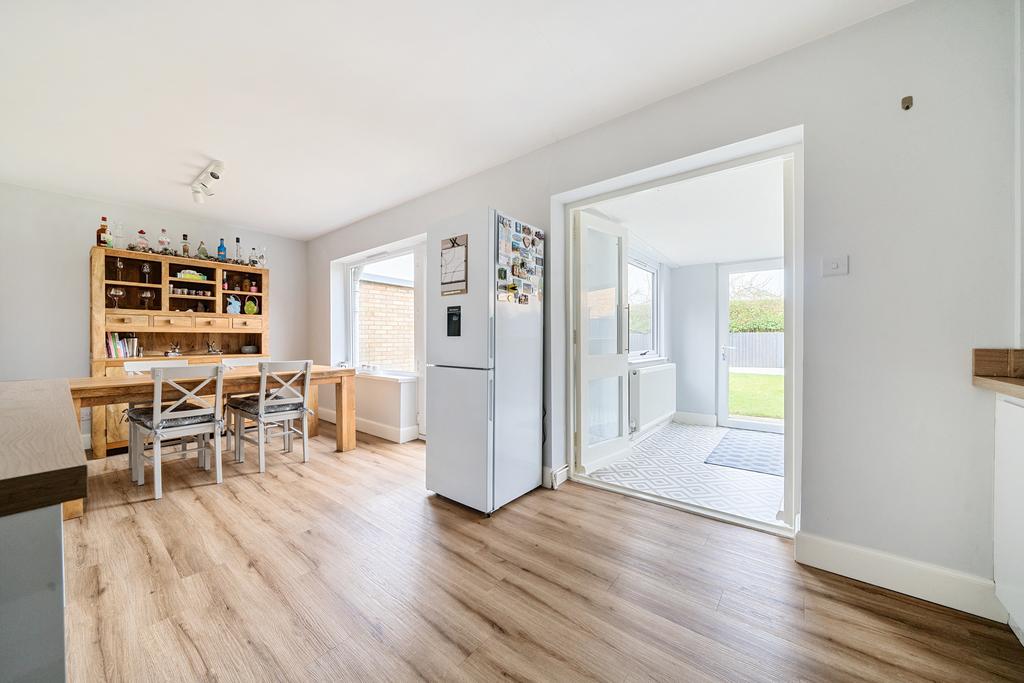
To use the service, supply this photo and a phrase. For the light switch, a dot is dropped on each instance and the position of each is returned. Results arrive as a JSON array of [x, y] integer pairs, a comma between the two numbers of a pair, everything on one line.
[[835, 265]]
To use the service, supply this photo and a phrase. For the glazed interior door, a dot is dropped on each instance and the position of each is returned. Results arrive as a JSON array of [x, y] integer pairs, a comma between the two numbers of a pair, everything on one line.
[[751, 363], [603, 339]]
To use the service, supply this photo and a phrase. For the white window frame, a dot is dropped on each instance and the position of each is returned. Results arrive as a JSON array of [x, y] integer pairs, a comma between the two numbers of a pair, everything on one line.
[[655, 351], [353, 273]]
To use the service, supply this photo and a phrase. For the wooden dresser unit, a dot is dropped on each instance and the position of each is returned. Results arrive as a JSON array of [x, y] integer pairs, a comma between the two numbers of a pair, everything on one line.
[[171, 317]]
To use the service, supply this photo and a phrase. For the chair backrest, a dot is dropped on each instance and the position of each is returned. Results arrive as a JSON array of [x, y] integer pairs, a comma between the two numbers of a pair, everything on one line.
[[240, 362], [284, 382], [138, 367], [182, 407]]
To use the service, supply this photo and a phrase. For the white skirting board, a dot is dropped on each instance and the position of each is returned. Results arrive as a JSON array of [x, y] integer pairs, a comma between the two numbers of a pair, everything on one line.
[[374, 428], [696, 419], [948, 587], [389, 432]]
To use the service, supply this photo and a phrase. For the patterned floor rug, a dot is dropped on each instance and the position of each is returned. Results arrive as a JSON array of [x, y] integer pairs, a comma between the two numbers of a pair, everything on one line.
[[670, 463], [748, 450]]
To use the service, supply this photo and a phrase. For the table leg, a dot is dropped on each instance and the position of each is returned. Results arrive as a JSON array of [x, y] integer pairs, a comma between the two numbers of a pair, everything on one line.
[[345, 413], [73, 509], [314, 405]]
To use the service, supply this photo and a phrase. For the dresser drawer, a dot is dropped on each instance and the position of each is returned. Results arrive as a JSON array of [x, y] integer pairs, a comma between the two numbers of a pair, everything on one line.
[[172, 321], [213, 323], [247, 324], [114, 321]]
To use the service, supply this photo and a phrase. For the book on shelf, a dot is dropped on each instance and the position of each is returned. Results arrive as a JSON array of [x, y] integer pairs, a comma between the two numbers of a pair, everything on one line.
[[122, 347]]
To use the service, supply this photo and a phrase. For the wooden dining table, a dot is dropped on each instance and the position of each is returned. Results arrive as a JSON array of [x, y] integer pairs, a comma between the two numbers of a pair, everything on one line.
[[89, 392]]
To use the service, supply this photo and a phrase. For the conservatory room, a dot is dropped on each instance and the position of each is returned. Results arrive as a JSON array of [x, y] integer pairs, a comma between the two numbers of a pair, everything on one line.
[[705, 364]]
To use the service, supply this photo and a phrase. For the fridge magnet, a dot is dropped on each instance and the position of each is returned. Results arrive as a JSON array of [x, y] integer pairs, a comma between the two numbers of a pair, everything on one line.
[[502, 273], [527, 230], [516, 245], [527, 288], [538, 261], [524, 298], [539, 234], [513, 286], [454, 257], [519, 227]]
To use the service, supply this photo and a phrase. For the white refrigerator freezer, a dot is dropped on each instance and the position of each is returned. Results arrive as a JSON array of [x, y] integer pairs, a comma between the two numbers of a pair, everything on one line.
[[485, 354]]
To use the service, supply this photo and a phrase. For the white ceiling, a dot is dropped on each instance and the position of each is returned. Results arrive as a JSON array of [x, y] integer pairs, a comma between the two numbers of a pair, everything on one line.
[[326, 112], [732, 215]]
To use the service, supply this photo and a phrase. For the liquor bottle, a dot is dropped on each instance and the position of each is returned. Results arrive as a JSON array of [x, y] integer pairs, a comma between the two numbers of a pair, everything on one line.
[[224, 281], [222, 251], [102, 234], [252, 257], [141, 242], [238, 249], [186, 250], [202, 252]]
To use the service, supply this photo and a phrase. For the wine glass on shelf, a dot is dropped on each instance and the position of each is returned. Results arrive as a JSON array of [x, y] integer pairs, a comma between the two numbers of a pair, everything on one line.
[[146, 296], [119, 264], [146, 270], [116, 294]]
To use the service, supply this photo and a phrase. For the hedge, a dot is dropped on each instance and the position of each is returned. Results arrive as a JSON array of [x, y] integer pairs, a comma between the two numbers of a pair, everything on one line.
[[756, 315]]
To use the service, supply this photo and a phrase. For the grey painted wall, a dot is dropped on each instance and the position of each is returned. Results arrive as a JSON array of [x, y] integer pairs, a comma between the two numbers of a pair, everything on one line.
[[44, 277], [897, 456], [692, 319]]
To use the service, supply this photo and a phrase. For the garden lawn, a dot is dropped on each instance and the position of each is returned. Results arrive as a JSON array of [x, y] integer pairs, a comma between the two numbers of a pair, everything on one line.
[[756, 395]]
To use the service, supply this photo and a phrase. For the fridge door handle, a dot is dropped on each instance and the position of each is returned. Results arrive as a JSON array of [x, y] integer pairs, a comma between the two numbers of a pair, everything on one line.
[[490, 399]]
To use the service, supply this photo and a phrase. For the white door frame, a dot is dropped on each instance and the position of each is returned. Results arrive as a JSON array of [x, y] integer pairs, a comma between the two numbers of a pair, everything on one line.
[[722, 361], [786, 143]]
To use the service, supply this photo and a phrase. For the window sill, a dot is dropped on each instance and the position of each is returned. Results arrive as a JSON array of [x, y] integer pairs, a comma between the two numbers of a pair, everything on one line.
[[647, 360]]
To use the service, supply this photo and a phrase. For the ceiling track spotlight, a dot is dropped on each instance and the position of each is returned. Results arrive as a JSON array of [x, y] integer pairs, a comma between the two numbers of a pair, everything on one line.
[[202, 186]]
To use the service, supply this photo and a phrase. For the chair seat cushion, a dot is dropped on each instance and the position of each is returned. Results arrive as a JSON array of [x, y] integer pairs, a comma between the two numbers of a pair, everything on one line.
[[250, 404], [144, 416]]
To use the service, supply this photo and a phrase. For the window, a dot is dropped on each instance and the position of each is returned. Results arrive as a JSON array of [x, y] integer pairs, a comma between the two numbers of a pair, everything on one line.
[[385, 307], [641, 281]]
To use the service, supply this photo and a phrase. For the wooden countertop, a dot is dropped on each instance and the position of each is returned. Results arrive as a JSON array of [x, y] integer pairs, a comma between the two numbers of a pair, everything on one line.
[[41, 458], [1010, 386]]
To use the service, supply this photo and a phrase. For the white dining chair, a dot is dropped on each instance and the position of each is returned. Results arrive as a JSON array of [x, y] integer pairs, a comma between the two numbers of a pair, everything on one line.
[[143, 367], [283, 398], [230, 363], [189, 415]]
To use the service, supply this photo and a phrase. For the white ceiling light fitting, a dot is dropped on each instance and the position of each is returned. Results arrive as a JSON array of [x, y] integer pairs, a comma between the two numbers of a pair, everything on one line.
[[202, 186]]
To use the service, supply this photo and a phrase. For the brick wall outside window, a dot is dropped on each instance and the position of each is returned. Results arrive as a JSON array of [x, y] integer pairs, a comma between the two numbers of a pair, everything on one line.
[[386, 324]]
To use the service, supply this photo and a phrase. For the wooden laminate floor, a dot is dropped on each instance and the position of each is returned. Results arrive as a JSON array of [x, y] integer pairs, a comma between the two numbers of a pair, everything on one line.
[[347, 569]]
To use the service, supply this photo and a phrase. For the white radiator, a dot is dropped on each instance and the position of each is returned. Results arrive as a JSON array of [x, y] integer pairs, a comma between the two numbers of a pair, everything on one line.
[[652, 395]]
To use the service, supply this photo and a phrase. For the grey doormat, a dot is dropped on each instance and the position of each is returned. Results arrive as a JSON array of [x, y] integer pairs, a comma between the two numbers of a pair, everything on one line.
[[744, 449]]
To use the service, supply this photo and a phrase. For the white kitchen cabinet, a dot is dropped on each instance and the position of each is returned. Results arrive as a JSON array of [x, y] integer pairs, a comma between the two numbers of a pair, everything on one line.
[[1009, 508]]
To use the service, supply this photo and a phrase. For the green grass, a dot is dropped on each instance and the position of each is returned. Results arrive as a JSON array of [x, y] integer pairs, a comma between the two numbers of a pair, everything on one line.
[[756, 395]]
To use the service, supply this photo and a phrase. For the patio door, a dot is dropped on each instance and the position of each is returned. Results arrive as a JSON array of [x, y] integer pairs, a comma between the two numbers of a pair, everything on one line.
[[751, 348], [602, 341]]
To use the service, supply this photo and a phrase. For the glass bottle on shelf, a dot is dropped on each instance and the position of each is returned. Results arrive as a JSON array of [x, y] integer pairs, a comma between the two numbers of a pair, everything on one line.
[[222, 251], [261, 258], [119, 241], [186, 250], [164, 240], [238, 249], [141, 243], [252, 257], [202, 251], [102, 234], [224, 280]]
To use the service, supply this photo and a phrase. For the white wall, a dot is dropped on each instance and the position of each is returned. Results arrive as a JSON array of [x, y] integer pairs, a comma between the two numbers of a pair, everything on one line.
[[897, 445], [693, 318], [44, 277]]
